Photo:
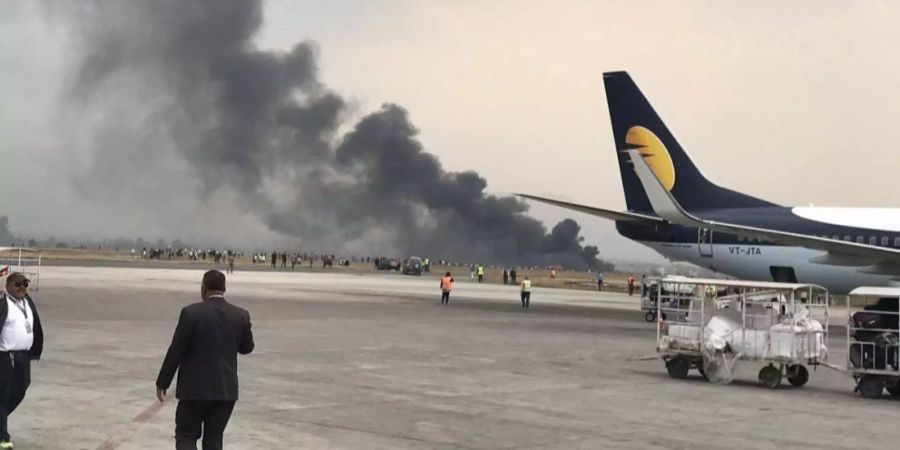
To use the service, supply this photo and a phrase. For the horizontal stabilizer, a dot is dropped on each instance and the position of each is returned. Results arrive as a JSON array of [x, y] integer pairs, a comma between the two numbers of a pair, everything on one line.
[[599, 212]]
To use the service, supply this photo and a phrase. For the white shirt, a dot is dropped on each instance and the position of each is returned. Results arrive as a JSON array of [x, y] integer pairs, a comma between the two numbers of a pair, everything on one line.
[[18, 330]]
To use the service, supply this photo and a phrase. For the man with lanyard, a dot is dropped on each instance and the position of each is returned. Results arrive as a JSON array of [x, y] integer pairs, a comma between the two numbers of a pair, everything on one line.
[[21, 340]]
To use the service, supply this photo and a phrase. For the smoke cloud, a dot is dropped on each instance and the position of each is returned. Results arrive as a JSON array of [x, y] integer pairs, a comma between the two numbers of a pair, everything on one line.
[[185, 116]]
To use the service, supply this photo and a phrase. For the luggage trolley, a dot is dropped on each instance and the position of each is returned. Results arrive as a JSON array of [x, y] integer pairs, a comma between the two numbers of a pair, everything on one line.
[[650, 291], [706, 324], [873, 314], [650, 298], [21, 259]]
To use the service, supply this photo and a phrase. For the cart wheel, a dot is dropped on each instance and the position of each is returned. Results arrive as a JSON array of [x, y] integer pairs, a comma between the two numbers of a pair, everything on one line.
[[678, 367], [894, 389], [870, 386], [797, 375], [770, 377], [650, 316]]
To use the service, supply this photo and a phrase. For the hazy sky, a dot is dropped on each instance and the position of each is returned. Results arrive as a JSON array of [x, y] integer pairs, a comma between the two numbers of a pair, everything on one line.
[[788, 101]]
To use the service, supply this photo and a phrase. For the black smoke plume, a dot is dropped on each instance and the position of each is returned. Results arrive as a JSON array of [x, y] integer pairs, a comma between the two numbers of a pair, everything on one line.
[[177, 86]]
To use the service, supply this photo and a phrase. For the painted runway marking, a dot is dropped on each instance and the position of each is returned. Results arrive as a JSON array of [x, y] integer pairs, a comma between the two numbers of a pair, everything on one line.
[[115, 441]]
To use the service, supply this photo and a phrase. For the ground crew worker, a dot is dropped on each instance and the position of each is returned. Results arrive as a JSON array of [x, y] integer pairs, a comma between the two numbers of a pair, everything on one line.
[[480, 273], [512, 276], [231, 264], [599, 281], [426, 265], [526, 292], [630, 285], [446, 287], [505, 276]]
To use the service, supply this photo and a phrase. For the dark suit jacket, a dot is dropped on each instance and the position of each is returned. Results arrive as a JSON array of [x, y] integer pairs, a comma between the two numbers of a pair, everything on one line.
[[204, 351], [37, 347]]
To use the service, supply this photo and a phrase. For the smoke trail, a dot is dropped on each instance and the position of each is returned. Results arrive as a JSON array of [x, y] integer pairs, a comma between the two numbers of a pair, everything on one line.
[[177, 87]]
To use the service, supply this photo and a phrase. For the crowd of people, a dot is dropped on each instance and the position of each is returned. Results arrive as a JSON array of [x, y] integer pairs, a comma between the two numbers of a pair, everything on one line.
[[293, 260], [191, 254]]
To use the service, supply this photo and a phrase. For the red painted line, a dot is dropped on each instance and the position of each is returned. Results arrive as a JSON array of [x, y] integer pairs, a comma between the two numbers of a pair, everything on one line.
[[114, 441], [148, 413]]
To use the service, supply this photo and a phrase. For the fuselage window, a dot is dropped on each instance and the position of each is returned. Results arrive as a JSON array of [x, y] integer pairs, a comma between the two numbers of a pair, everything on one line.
[[848, 238], [860, 239], [836, 237], [897, 241], [885, 241], [873, 240]]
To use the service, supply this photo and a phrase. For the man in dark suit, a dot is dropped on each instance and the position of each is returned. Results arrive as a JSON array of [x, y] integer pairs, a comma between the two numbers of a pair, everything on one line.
[[204, 351]]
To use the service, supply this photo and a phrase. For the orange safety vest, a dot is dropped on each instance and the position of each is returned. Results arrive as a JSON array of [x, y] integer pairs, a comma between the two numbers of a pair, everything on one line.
[[446, 283]]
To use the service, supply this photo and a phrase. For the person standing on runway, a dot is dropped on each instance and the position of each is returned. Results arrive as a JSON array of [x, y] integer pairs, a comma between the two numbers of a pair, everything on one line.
[[526, 292], [204, 350], [21, 341], [446, 287]]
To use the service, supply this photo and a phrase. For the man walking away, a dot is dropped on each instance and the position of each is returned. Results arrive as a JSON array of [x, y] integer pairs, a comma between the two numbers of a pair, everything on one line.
[[204, 351], [446, 287], [21, 341], [526, 293], [231, 264], [480, 273]]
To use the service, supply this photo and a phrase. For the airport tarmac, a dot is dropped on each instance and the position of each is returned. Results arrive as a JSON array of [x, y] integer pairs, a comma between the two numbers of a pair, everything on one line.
[[374, 361]]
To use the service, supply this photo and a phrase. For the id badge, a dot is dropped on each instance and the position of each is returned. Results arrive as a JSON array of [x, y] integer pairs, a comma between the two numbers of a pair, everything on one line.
[[27, 327]]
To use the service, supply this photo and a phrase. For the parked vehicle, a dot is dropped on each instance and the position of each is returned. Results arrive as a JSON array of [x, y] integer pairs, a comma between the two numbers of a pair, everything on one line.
[[413, 266], [387, 264]]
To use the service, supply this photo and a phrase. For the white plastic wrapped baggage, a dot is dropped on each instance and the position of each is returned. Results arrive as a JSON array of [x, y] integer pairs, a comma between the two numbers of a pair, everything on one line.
[[710, 325]]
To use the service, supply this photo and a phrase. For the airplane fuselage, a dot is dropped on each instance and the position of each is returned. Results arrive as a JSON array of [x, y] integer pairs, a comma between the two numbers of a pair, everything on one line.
[[751, 259]]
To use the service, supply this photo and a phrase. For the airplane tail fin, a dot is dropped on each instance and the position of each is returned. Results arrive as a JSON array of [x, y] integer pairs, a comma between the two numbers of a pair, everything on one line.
[[637, 126]]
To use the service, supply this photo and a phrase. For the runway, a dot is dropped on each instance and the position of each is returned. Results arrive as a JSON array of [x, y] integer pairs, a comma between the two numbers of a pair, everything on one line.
[[374, 361]]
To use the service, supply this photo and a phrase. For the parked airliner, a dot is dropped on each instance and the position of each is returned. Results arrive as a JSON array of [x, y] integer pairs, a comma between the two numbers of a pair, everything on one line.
[[674, 209]]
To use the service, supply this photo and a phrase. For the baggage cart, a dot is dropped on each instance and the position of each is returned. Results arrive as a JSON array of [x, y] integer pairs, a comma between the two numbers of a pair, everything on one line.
[[649, 299], [873, 314], [708, 324], [21, 259]]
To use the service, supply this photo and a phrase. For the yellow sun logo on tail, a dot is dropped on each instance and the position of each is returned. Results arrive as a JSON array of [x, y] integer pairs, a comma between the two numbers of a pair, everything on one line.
[[654, 153]]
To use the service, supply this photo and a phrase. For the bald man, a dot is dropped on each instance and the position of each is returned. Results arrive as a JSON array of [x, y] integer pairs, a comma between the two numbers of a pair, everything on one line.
[[21, 341]]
